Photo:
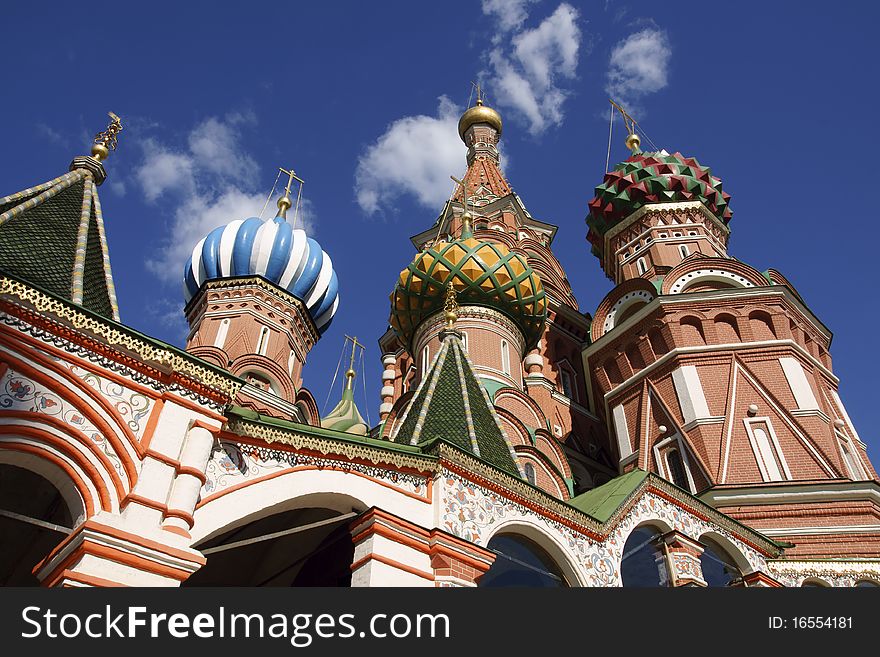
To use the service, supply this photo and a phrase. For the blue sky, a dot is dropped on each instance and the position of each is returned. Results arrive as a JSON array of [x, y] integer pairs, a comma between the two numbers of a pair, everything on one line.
[[362, 100]]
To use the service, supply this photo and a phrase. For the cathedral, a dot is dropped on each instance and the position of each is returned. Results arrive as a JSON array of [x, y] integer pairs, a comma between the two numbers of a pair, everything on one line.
[[687, 432]]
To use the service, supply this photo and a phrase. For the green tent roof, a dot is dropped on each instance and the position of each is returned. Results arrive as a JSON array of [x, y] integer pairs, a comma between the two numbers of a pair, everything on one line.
[[451, 404]]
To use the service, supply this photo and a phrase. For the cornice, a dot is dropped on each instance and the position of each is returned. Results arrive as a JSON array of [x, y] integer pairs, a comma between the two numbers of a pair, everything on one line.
[[59, 317]]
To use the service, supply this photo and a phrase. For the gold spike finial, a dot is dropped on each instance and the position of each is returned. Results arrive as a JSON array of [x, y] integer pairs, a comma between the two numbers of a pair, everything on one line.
[[105, 141], [450, 306], [285, 203]]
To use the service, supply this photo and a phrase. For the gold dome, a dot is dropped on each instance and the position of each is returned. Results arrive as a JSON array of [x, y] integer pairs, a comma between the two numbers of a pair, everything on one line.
[[479, 113]]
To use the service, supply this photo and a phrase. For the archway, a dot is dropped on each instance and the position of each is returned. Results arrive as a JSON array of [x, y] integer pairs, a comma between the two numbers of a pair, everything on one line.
[[308, 546], [34, 518], [718, 565], [643, 563], [520, 561]]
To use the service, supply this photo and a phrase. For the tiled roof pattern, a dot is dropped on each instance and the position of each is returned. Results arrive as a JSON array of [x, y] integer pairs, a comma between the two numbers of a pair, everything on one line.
[[39, 231], [451, 405]]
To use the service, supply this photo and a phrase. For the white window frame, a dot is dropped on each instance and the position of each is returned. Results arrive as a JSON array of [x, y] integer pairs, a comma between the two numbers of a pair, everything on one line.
[[222, 332], [684, 251], [263, 342], [565, 369], [773, 442], [846, 445], [426, 358], [642, 266], [505, 357], [662, 447]]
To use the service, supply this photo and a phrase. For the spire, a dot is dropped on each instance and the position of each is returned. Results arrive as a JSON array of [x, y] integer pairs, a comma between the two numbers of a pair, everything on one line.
[[345, 416], [52, 235], [451, 404]]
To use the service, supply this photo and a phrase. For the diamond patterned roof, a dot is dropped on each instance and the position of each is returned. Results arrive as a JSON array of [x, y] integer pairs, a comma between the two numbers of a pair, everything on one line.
[[653, 178]]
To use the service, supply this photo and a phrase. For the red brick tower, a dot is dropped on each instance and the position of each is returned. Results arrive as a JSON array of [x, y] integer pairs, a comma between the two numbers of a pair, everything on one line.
[[259, 294], [715, 375], [538, 390]]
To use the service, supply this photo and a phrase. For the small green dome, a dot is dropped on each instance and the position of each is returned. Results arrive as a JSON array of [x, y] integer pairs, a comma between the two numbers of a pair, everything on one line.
[[482, 273]]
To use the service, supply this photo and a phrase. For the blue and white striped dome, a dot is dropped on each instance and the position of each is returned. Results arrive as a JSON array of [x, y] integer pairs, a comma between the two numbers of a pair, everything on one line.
[[274, 250]]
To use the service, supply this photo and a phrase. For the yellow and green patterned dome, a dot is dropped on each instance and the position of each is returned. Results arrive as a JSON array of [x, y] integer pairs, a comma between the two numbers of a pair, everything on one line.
[[482, 273]]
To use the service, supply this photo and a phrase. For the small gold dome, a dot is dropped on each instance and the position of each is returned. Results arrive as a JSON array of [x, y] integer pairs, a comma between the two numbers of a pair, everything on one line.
[[479, 113]]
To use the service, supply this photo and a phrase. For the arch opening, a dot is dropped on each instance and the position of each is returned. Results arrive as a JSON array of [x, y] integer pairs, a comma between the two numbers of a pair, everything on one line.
[[643, 563], [34, 519], [520, 561], [309, 546]]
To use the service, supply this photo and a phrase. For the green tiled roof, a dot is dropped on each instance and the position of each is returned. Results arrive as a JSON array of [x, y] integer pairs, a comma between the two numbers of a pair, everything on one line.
[[602, 501], [52, 236], [450, 404]]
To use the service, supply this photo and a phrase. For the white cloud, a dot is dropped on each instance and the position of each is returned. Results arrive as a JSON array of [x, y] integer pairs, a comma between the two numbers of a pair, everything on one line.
[[194, 219], [416, 155], [639, 65], [214, 147], [209, 182], [527, 77], [509, 14], [50, 134], [164, 171]]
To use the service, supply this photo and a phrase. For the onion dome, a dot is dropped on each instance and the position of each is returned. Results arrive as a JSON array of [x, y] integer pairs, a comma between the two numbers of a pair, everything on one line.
[[345, 416], [479, 113], [273, 249], [481, 273], [653, 178]]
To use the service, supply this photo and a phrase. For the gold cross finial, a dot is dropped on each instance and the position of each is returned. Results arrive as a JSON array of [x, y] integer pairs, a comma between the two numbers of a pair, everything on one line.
[[284, 203], [350, 374], [632, 139], [479, 90], [105, 141]]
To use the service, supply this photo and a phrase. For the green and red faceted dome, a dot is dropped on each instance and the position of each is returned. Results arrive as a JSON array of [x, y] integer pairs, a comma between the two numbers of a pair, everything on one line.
[[653, 178]]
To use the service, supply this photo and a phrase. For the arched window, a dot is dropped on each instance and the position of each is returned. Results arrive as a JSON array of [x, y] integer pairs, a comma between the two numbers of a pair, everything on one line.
[[519, 561], [464, 340], [505, 357], [849, 458], [766, 454], [565, 381], [426, 357], [529, 472], [683, 250], [263, 342], [642, 265], [719, 568], [223, 329], [676, 470], [643, 563]]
